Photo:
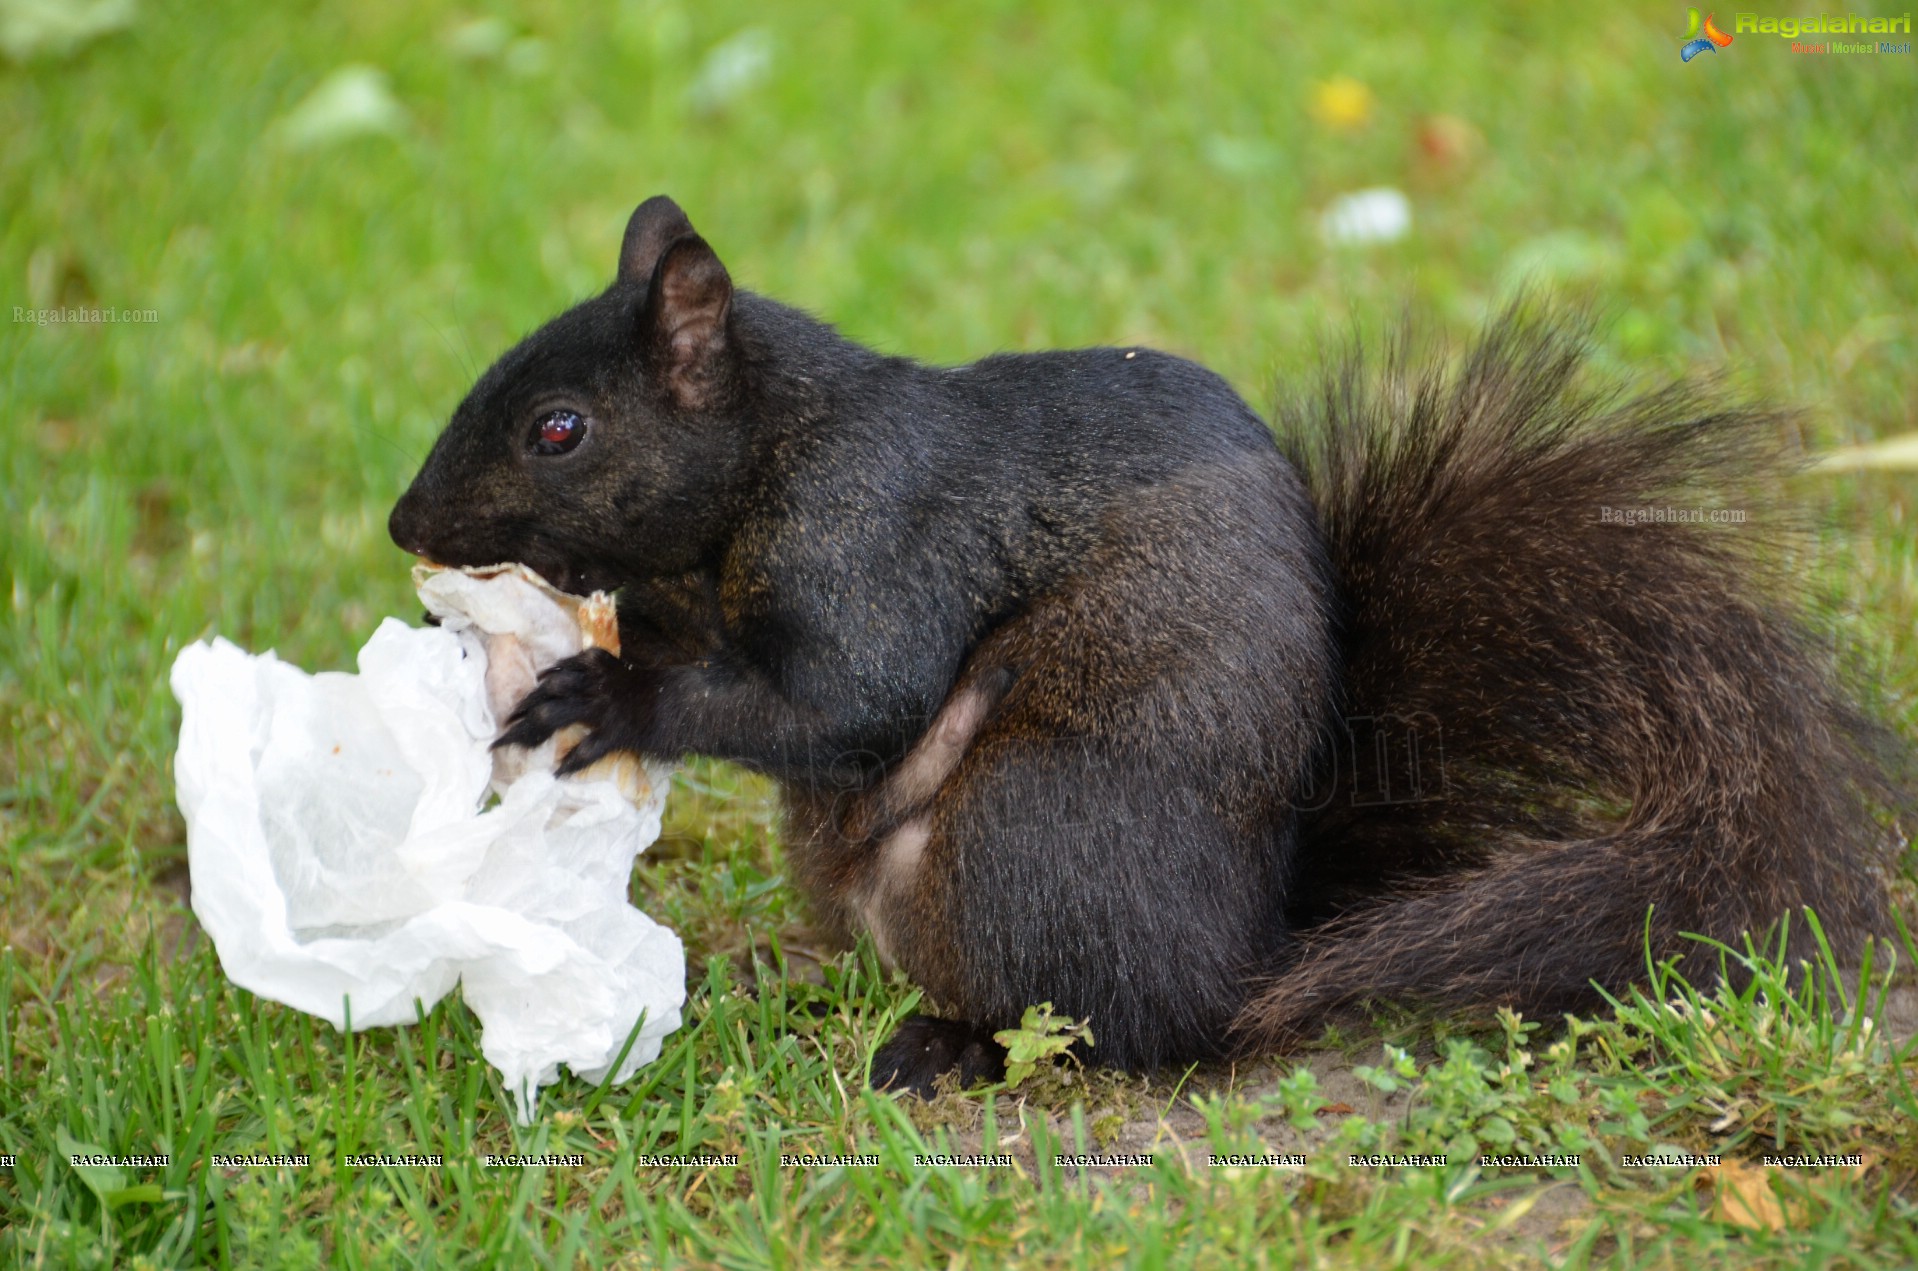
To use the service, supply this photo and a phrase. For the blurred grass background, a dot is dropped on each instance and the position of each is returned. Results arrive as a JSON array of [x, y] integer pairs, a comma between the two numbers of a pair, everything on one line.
[[338, 214]]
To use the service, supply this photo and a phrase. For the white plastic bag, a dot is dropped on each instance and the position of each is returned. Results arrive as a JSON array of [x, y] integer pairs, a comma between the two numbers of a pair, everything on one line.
[[342, 862]]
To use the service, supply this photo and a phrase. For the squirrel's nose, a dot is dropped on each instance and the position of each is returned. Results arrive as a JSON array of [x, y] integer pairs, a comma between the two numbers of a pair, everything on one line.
[[406, 527]]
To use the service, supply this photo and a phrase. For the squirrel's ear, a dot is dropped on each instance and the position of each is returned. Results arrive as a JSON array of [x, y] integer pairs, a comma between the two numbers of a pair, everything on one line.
[[654, 226], [684, 323]]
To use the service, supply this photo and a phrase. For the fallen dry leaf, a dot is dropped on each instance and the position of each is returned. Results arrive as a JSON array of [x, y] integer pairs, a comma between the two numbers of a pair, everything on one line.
[[1447, 141], [1742, 1196], [1745, 1195]]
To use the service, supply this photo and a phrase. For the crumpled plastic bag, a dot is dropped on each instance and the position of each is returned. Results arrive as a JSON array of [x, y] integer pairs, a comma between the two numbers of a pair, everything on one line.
[[344, 862]]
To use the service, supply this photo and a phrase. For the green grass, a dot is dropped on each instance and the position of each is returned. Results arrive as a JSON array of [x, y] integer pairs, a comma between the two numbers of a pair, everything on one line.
[[943, 182]]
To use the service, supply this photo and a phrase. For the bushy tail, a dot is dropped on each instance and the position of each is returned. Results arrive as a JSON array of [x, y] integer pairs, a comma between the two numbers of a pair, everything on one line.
[[1569, 702]]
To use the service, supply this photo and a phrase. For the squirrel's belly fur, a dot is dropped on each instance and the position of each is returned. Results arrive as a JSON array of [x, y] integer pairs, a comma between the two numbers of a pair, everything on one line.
[[1084, 688]]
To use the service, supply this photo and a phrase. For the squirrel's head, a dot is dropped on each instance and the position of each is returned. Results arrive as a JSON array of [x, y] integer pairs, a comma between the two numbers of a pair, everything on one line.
[[605, 446]]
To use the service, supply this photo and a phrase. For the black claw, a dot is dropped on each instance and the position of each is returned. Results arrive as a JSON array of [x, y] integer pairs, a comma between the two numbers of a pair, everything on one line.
[[924, 1049], [527, 727], [591, 749], [519, 733]]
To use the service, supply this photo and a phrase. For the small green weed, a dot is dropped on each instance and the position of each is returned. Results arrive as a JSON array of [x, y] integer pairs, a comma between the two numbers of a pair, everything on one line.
[[1040, 1038]]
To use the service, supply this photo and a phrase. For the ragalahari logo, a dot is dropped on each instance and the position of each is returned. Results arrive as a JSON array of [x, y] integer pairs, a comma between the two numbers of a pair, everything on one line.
[[1711, 41]]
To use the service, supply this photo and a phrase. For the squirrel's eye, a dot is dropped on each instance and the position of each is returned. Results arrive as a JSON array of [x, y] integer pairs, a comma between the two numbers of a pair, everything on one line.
[[557, 431]]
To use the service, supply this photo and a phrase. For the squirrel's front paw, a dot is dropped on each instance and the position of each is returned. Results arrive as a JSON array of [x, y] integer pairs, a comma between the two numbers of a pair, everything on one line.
[[613, 699]]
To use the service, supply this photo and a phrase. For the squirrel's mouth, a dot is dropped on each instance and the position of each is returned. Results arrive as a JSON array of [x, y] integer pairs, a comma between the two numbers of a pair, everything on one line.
[[476, 550], [560, 578]]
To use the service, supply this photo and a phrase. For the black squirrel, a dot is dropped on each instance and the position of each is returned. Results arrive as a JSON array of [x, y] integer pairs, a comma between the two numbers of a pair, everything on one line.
[[1082, 688]]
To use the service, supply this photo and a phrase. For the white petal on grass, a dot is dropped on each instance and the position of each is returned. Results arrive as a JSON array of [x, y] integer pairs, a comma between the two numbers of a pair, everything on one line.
[[353, 101], [731, 68], [58, 27], [1380, 215], [1893, 453]]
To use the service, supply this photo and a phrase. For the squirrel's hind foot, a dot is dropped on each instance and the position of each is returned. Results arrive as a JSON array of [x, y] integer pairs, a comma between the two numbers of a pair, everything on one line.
[[923, 1049]]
